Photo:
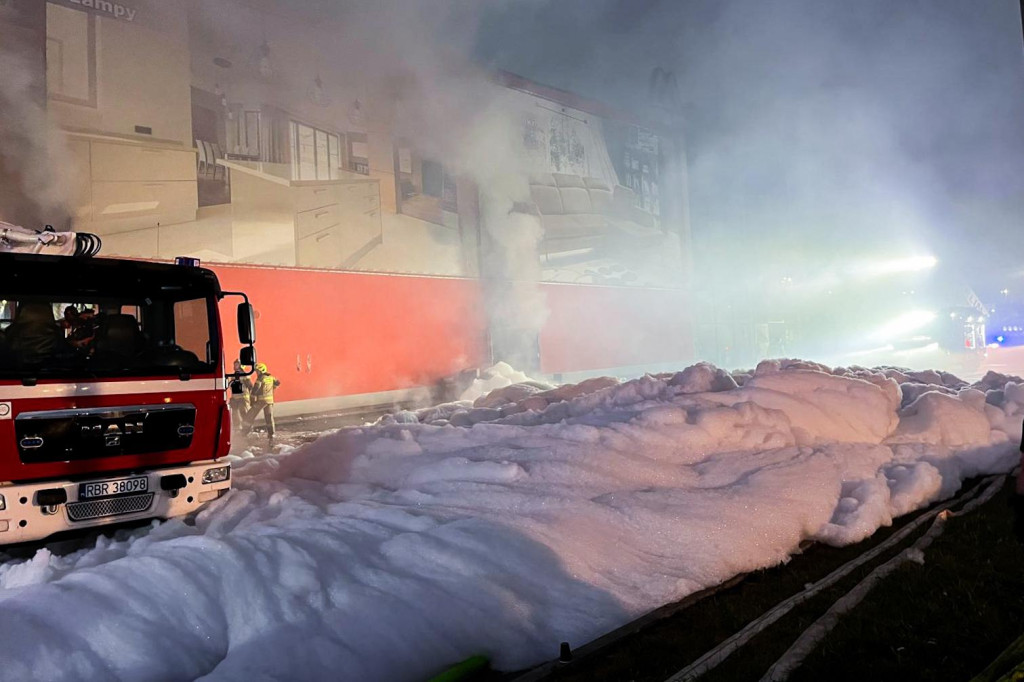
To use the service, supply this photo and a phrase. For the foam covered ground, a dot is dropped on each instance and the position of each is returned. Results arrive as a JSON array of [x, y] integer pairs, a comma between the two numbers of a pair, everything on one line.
[[529, 516]]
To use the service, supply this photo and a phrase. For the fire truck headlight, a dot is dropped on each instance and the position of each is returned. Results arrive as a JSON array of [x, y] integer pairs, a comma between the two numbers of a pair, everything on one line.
[[216, 475], [3, 503]]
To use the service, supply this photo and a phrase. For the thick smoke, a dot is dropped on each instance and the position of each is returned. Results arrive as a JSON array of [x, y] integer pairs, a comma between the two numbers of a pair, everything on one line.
[[813, 124], [412, 66], [33, 162], [452, 109], [826, 139], [830, 139]]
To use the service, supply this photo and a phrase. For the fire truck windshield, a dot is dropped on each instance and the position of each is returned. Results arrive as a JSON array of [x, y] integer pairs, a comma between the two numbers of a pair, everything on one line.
[[136, 334]]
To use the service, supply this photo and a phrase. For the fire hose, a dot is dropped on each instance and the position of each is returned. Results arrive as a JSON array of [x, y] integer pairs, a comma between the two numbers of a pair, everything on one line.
[[812, 636], [713, 658], [16, 239]]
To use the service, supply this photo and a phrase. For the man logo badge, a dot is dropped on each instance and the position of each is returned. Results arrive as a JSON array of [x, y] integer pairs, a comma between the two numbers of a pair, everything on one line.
[[5, 410]]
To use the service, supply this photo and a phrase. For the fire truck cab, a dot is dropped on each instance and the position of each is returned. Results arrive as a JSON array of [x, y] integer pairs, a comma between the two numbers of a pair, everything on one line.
[[112, 392]]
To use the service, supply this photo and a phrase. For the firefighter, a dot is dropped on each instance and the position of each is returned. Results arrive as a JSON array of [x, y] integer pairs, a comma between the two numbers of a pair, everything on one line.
[[80, 327], [261, 398], [239, 402]]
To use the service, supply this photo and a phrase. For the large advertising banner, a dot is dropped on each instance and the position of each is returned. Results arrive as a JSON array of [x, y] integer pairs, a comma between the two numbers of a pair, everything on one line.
[[279, 159]]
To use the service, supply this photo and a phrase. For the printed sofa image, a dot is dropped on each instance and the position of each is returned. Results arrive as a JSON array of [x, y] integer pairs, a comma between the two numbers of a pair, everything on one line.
[[585, 213]]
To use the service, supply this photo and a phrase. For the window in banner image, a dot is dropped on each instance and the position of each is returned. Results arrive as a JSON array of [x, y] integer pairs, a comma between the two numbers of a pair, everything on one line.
[[70, 55], [304, 151], [316, 154], [212, 138], [642, 170], [422, 231], [323, 164], [249, 139], [358, 153], [422, 187], [334, 151]]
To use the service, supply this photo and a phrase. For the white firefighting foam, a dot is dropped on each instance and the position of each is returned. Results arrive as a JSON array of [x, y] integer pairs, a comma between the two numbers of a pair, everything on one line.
[[503, 527]]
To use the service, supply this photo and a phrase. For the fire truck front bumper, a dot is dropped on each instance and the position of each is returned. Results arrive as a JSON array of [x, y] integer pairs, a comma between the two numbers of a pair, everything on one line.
[[33, 511]]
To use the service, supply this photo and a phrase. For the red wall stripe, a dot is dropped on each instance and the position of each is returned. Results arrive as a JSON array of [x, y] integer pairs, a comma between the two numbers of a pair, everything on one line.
[[329, 333]]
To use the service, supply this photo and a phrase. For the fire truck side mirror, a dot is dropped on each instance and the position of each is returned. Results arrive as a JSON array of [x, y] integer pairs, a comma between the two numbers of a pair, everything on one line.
[[247, 356], [246, 325]]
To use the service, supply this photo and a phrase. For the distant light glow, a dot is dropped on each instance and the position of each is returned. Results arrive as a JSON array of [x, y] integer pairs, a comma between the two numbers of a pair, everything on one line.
[[896, 265], [904, 324], [870, 351], [930, 348]]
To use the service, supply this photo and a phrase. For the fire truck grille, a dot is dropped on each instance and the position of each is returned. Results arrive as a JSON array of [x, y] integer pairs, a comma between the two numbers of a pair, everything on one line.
[[113, 506]]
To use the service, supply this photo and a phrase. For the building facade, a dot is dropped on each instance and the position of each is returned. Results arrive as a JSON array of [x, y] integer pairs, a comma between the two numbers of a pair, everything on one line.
[[392, 226]]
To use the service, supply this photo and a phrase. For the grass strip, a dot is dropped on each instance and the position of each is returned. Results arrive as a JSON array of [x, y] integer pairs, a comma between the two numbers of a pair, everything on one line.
[[812, 636], [944, 620]]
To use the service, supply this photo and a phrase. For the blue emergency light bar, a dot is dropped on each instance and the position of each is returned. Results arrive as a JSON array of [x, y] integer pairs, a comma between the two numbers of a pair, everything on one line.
[[187, 261]]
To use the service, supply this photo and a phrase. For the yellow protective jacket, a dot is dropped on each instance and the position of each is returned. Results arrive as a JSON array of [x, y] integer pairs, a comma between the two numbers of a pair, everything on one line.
[[263, 389], [244, 398]]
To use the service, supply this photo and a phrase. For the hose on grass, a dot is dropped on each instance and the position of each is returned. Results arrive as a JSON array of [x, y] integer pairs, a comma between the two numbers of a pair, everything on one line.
[[720, 653], [810, 638]]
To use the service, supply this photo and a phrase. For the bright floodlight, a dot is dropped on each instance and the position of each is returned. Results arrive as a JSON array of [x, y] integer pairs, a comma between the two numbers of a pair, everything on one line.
[[912, 264], [922, 262]]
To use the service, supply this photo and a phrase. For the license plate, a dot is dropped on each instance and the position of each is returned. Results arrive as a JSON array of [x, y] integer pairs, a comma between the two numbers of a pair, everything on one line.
[[119, 486]]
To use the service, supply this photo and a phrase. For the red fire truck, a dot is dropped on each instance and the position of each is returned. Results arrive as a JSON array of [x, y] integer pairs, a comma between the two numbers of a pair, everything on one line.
[[112, 387]]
